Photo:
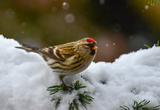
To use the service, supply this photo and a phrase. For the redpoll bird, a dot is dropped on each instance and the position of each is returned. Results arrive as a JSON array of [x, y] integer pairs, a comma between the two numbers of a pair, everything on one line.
[[69, 58]]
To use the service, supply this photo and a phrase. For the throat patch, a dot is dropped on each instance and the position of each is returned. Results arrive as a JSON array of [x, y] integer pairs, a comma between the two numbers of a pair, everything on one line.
[[93, 52]]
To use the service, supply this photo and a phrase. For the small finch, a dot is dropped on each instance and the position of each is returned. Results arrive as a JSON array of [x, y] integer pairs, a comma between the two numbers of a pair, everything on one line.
[[67, 59]]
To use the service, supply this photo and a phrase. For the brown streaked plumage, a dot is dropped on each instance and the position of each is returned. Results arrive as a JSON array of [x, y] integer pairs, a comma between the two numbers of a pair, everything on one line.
[[69, 58]]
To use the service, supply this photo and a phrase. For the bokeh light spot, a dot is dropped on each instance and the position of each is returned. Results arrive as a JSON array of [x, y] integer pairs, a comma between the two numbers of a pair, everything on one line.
[[24, 24], [65, 5], [10, 13], [146, 7], [107, 45], [69, 18], [101, 2], [54, 9]]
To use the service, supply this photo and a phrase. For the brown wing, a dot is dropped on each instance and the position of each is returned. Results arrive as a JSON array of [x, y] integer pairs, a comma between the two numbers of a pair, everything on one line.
[[61, 52], [50, 52]]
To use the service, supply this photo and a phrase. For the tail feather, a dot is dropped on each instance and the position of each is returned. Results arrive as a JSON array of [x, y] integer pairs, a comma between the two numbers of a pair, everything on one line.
[[29, 48]]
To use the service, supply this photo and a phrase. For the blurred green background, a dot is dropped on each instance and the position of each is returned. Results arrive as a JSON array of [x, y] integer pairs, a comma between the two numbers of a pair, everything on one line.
[[118, 26]]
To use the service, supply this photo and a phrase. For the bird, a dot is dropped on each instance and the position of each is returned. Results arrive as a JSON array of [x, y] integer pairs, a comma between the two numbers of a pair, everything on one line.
[[67, 59]]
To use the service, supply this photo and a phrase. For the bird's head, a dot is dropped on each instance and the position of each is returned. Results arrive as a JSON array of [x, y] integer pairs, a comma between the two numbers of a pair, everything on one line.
[[87, 46]]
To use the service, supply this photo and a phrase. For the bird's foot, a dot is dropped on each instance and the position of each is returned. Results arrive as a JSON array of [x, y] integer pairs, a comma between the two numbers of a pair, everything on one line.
[[67, 88]]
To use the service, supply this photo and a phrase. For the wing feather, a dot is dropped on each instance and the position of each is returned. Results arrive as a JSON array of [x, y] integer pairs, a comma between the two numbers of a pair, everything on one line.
[[60, 52]]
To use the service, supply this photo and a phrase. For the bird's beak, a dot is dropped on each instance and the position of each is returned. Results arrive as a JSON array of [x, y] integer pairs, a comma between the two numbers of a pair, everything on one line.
[[94, 48]]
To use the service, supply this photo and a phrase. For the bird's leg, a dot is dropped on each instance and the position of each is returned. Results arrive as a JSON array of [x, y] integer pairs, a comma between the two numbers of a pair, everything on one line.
[[64, 85], [61, 79]]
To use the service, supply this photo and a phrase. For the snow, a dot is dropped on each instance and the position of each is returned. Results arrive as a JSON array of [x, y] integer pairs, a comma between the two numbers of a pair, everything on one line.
[[24, 78]]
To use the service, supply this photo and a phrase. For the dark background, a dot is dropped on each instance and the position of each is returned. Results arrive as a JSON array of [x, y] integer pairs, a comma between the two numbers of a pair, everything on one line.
[[118, 26]]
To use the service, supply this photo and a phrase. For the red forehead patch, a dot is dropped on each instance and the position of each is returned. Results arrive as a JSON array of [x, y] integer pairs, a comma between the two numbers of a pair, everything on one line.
[[90, 40]]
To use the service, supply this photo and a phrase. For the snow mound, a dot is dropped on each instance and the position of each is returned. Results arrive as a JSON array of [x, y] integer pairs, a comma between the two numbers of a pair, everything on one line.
[[24, 78]]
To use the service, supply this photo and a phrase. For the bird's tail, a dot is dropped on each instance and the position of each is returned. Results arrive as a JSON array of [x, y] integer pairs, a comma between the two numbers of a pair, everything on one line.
[[29, 48]]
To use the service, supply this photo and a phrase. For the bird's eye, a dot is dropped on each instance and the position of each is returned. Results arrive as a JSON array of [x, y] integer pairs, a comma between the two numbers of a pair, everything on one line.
[[87, 44]]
